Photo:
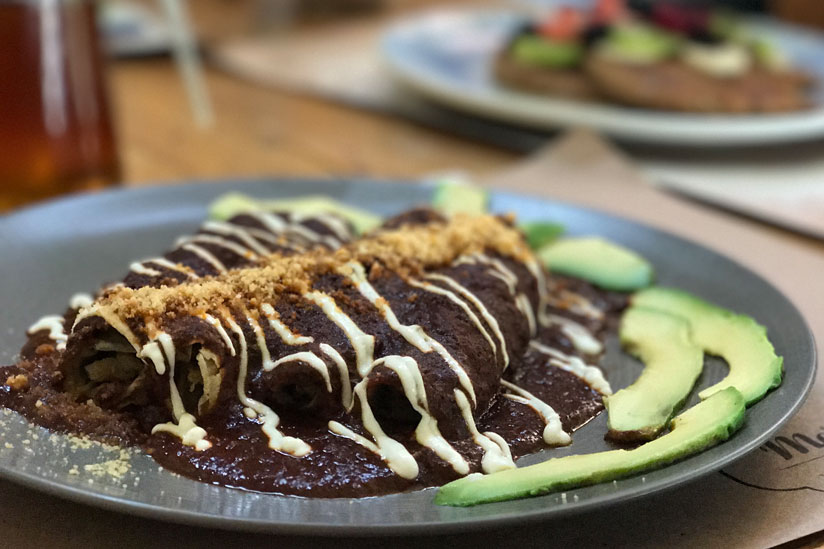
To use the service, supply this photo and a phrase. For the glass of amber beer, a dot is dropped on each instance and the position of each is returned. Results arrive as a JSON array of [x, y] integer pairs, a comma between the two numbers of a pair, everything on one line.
[[55, 126]]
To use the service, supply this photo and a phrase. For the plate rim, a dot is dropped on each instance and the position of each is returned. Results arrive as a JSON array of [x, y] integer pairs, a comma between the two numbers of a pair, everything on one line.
[[645, 126], [197, 518]]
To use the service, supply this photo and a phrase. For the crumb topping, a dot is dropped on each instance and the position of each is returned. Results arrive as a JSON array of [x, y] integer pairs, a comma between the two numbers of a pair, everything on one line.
[[17, 382], [407, 251]]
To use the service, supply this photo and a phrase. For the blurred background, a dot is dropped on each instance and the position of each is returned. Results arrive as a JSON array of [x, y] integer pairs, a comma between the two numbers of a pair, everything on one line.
[[131, 92]]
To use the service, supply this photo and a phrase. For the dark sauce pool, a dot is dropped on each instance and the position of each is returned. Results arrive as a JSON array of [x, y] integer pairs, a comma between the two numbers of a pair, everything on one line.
[[337, 466]]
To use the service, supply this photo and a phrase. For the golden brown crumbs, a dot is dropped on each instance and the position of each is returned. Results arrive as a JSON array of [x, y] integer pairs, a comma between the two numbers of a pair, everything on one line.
[[17, 382], [44, 349], [76, 442], [406, 251], [115, 468]]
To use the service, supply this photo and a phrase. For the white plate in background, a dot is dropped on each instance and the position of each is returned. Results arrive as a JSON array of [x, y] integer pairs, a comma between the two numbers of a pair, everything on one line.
[[447, 56]]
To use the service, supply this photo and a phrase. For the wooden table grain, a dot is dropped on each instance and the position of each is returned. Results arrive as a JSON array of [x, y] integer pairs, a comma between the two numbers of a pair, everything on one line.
[[260, 132]]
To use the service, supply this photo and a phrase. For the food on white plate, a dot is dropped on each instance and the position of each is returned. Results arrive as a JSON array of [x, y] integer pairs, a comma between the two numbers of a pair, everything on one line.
[[655, 55]]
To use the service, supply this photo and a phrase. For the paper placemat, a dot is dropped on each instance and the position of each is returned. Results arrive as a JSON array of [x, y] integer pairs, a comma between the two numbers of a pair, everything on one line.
[[783, 185]]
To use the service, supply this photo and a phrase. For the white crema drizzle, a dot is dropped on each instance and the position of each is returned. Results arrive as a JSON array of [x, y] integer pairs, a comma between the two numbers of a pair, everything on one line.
[[288, 337], [592, 375], [79, 300], [580, 337], [278, 225], [505, 274], [554, 433], [362, 343], [218, 326], [205, 255], [141, 269], [176, 267], [523, 304], [462, 304], [237, 231], [161, 350], [231, 245], [427, 432], [499, 270], [497, 456], [251, 248], [309, 358], [112, 320], [54, 324], [332, 222], [414, 334], [343, 371], [392, 452], [575, 303], [472, 298], [254, 409], [396, 456], [265, 357], [539, 274], [308, 234]]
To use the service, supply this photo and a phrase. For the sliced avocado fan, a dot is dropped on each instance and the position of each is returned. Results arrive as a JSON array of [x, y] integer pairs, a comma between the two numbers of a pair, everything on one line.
[[603, 263], [702, 426], [738, 339], [232, 204], [672, 364]]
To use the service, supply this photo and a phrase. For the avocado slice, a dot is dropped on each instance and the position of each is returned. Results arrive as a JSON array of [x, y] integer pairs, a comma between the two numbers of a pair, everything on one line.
[[540, 51], [672, 362], [451, 198], [232, 204], [769, 55], [702, 426], [738, 339], [638, 44], [605, 264], [540, 233]]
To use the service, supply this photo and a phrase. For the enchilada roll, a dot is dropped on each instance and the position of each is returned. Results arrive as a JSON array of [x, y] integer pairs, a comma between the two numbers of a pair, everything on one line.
[[215, 248], [407, 330], [428, 350], [482, 319], [241, 241]]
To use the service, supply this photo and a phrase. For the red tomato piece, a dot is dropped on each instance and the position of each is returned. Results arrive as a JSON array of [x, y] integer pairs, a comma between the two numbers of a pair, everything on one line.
[[608, 11], [565, 24]]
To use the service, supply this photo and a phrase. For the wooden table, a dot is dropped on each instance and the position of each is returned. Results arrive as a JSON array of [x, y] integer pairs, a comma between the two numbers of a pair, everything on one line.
[[264, 132]]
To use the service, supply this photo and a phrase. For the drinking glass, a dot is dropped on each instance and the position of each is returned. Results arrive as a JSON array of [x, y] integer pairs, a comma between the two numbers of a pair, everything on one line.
[[56, 131]]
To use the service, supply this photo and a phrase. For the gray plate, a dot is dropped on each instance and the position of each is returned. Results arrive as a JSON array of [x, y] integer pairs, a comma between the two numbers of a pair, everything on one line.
[[53, 250]]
